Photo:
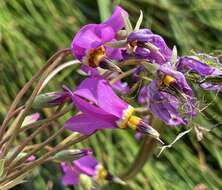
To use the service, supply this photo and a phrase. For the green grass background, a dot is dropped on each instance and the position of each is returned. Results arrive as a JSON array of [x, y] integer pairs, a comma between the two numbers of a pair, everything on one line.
[[31, 31]]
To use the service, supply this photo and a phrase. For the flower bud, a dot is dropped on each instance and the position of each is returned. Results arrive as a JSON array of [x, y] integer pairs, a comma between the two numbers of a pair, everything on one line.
[[49, 99], [31, 119], [71, 154]]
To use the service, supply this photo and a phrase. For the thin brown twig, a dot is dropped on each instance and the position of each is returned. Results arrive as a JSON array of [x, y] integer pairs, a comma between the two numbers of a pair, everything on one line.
[[36, 149], [31, 99], [27, 86], [144, 153], [121, 76], [37, 123], [36, 132], [44, 157]]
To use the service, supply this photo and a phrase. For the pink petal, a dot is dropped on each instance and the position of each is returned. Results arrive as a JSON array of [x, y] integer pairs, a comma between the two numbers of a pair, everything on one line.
[[86, 124], [86, 165], [71, 176], [99, 91], [92, 110]]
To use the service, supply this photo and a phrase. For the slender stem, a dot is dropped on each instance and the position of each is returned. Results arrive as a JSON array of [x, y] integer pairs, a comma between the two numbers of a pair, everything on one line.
[[25, 142], [144, 153], [27, 86], [57, 70], [36, 149], [36, 132], [14, 113], [121, 76], [37, 123], [53, 117], [44, 157], [141, 158], [132, 62], [30, 101]]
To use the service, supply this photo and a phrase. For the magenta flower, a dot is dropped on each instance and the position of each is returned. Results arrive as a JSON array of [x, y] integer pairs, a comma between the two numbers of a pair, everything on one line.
[[169, 97], [101, 108], [88, 44], [191, 65], [144, 44], [86, 165]]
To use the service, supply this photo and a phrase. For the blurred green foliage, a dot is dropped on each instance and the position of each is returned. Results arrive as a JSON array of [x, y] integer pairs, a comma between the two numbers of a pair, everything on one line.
[[31, 31]]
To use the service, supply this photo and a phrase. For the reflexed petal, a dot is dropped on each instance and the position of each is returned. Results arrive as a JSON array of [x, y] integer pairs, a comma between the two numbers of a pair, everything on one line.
[[86, 165], [86, 124], [184, 89], [99, 91], [85, 39], [141, 52], [186, 64], [140, 35], [209, 86], [91, 109], [114, 53], [71, 176], [89, 70], [164, 106], [189, 64], [116, 21]]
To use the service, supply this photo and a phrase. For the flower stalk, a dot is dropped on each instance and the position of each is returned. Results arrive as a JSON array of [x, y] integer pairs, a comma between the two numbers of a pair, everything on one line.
[[145, 151]]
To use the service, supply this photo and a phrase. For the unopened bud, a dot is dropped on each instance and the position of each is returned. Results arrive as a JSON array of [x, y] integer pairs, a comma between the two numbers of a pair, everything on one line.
[[71, 154], [49, 99], [31, 119]]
